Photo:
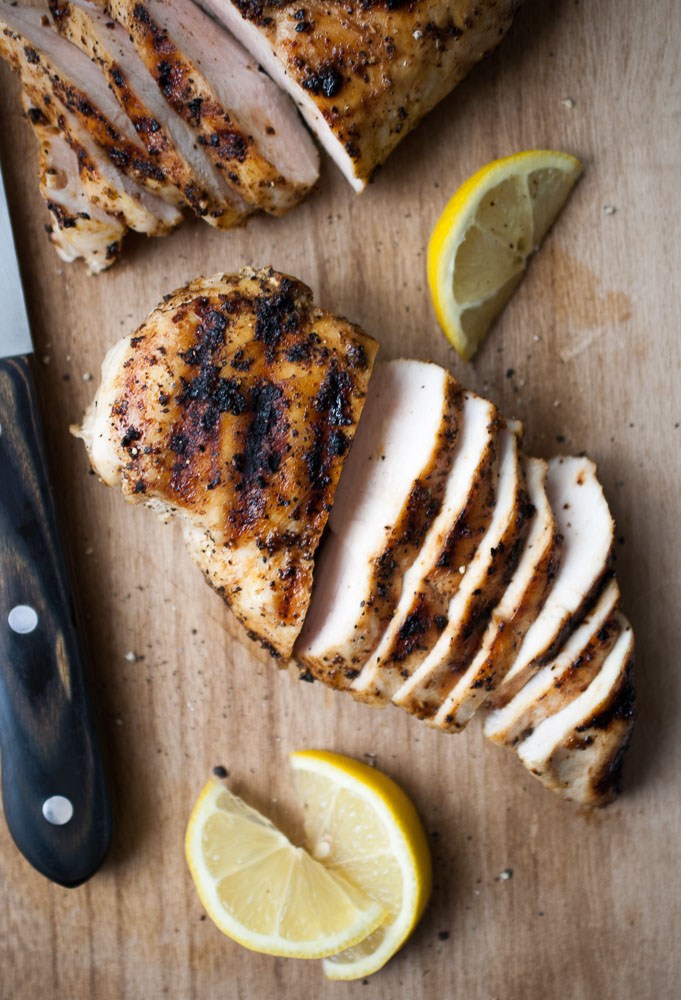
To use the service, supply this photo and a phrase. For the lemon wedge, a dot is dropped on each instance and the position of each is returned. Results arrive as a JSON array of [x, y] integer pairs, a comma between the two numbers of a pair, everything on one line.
[[479, 248], [265, 893], [362, 826]]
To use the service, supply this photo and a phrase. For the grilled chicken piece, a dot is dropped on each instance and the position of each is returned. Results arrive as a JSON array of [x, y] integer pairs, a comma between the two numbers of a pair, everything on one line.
[[390, 491], [365, 74], [234, 406], [562, 679], [102, 183], [434, 577], [585, 523], [484, 580], [244, 121], [578, 752], [64, 74], [169, 140], [516, 611], [79, 230]]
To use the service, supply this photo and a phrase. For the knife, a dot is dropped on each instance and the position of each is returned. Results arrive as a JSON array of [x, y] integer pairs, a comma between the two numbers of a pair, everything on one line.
[[53, 789]]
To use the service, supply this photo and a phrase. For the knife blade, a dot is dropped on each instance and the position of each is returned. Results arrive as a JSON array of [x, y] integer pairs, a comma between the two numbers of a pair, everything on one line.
[[53, 788]]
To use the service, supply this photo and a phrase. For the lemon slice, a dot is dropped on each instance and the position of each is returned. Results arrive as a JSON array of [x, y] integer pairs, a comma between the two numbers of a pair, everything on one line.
[[479, 248], [265, 893], [362, 826]]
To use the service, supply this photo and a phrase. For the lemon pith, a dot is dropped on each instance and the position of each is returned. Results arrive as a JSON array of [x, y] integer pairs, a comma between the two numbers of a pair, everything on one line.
[[479, 248], [263, 892], [363, 826]]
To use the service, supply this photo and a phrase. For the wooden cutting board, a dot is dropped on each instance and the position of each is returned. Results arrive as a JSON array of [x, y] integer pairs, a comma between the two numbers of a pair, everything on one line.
[[588, 355]]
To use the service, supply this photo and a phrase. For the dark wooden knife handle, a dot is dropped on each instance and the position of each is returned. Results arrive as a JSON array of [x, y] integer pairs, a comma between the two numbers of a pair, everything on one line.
[[47, 740]]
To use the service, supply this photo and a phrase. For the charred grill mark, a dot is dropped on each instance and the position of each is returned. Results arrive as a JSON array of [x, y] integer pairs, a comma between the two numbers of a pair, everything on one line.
[[357, 356], [622, 706], [421, 508], [333, 404], [334, 397], [413, 632], [278, 313], [209, 335], [303, 350], [265, 446], [219, 395]]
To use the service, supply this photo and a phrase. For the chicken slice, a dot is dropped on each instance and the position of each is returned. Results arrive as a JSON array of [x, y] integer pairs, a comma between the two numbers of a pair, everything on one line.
[[390, 491], [234, 406], [484, 580], [563, 678], [586, 525], [170, 142], [102, 183], [434, 577], [578, 752], [64, 74], [365, 74], [244, 121], [516, 611], [79, 230]]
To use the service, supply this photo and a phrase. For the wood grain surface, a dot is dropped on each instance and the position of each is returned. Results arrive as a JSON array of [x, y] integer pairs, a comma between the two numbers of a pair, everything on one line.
[[588, 355]]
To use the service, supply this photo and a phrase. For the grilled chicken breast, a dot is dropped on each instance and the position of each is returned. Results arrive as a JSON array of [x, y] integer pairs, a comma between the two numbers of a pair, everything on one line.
[[587, 529], [102, 183], [79, 229], [365, 74], [434, 577], [169, 140], [390, 491], [330, 506], [516, 611], [245, 123], [484, 581], [65, 75], [234, 405], [564, 677], [578, 751]]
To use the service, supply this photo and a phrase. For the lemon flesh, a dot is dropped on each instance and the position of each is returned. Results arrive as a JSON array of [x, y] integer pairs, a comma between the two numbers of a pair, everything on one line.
[[480, 246], [362, 826], [265, 893]]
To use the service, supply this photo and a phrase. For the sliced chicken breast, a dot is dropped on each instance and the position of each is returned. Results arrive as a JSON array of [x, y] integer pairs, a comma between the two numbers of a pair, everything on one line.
[[102, 183], [585, 523], [564, 677], [578, 752], [170, 142], [434, 577], [64, 74], [234, 406], [79, 230], [365, 74], [389, 494], [484, 580], [249, 127], [518, 608]]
